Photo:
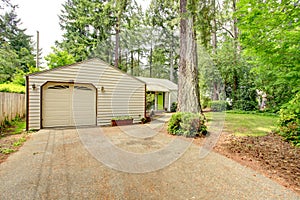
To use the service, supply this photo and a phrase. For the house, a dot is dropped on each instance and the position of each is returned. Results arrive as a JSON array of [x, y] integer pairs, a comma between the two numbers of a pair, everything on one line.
[[164, 92], [89, 93]]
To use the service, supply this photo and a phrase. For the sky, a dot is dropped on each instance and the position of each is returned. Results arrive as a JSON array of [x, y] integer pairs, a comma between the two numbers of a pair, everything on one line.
[[42, 16]]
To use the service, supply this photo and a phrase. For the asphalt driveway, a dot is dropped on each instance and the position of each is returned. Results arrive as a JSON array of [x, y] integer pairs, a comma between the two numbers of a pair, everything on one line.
[[130, 162]]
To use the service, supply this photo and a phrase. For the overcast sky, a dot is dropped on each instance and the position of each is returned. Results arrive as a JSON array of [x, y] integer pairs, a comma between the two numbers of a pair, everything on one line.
[[42, 16]]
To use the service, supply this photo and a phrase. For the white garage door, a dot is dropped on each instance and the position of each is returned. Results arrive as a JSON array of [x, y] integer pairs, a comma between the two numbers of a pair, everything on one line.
[[65, 104]]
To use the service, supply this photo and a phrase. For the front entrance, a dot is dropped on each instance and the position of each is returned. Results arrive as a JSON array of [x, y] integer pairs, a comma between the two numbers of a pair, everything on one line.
[[160, 101]]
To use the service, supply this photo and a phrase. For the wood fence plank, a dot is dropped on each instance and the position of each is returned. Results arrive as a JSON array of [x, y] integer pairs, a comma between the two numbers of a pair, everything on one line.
[[12, 105]]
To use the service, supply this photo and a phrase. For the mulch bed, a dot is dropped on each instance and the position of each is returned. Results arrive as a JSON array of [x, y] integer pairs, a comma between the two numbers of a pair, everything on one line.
[[269, 154]]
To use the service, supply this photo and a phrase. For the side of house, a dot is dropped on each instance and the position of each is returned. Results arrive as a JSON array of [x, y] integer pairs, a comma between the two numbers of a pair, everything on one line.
[[87, 93]]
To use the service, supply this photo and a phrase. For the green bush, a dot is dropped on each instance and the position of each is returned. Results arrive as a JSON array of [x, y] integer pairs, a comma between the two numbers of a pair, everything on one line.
[[187, 124], [244, 105], [174, 107], [174, 123], [289, 122], [13, 88], [246, 96], [254, 112], [205, 102], [150, 98], [218, 106]]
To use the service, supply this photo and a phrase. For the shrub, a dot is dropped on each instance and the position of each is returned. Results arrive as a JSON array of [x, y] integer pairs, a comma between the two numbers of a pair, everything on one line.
[[246, 96], [254, 112], [174, 107], [187, 124], [145, 119], [150, 98], [218, 106], [244, 105], [13, 88], [289, 122], [174, 123], [205, 102]]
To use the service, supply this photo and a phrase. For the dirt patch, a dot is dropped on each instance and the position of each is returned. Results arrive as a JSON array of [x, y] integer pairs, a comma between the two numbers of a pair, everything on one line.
[[11, 144], [269, 154]]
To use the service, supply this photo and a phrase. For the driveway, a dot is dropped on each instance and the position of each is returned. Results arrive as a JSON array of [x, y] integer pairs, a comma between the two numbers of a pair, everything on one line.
[[130, 162]]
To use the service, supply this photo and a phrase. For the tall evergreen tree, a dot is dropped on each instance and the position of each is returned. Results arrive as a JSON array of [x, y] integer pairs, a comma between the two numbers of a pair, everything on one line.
[[163, 17], [17, 45], [86, 23], [188, 84]]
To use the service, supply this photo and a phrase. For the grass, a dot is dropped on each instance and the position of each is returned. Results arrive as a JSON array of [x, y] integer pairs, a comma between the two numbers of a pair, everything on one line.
[[19, 127], [12, 137], [6, 150], [14, 127], [247, 124], [19, 142]]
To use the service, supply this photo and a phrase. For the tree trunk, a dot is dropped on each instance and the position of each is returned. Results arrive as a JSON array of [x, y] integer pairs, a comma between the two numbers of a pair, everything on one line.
[[216, 92], [131, 71], [214, 29], [235, 28], [138, 62], [120, 54], [126, 61], [171, 61], [117, 44], [214, 48], [237, 51], [188, 87], [150, 62]]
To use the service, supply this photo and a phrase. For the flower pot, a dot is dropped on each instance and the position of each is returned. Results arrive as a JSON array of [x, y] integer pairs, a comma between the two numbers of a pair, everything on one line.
[[122, 122]]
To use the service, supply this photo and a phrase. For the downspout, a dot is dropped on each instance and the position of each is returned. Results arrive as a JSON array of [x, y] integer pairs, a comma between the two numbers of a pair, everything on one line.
[[27, 104]]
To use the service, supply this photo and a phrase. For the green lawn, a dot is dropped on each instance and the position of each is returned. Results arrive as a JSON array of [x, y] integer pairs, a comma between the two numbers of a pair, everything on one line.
[[247, 124], [15, 127]]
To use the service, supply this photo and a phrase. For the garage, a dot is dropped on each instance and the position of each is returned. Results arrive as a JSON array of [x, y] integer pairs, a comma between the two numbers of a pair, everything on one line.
[[88, 93], [66, 104]]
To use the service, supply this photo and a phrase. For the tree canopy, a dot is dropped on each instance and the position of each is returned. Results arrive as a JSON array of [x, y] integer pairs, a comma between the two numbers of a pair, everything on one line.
[[270, 35], [242, 46], [16, 47]]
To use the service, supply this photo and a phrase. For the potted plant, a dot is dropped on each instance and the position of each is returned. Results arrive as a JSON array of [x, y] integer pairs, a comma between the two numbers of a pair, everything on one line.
[[121, 120], [145, 120]]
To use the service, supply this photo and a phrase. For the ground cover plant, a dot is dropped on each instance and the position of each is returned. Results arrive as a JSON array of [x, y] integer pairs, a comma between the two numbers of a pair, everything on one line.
[[12, 137]]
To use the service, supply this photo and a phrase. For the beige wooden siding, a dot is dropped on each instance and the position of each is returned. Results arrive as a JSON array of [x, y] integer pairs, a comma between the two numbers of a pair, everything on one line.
[[122, 95]]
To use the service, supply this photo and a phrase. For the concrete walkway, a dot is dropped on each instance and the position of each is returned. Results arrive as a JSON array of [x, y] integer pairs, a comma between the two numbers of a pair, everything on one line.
[[119, 163]]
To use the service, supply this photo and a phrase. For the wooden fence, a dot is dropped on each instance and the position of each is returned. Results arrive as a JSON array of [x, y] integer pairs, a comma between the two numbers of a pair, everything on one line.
[[12, 105]]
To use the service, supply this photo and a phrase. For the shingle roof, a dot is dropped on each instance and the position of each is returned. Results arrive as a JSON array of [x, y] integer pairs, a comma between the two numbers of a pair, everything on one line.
[[158, 85]]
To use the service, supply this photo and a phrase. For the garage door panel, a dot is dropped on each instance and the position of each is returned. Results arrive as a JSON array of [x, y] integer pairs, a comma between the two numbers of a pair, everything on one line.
[[84, 105], [68, 105], [54, 122]]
